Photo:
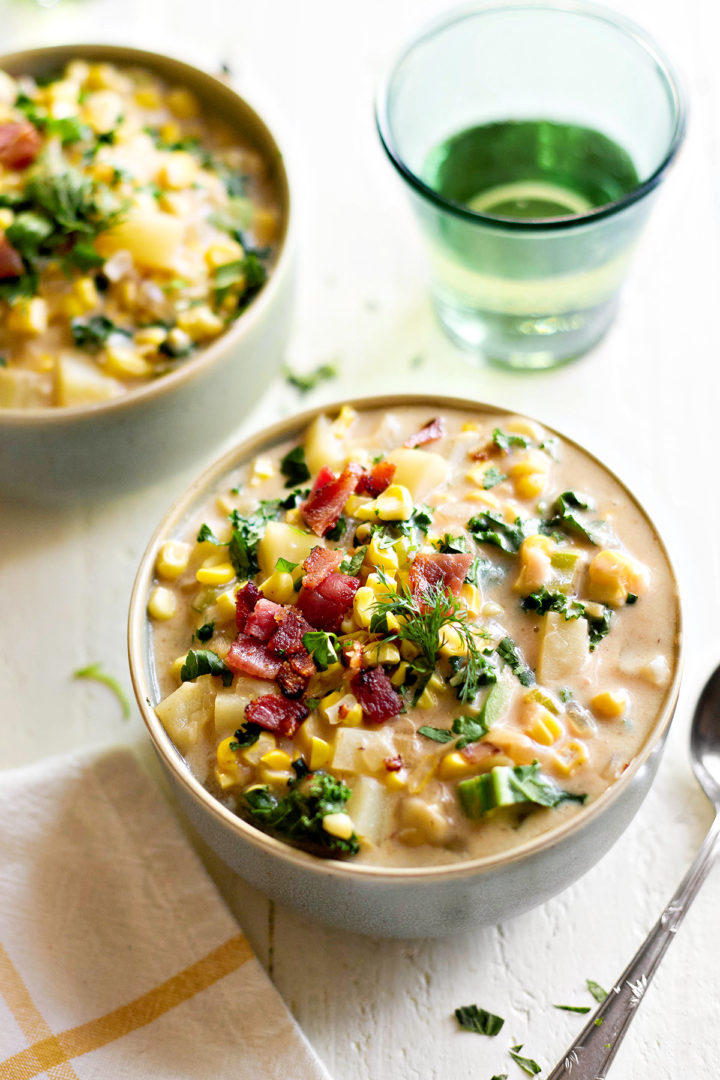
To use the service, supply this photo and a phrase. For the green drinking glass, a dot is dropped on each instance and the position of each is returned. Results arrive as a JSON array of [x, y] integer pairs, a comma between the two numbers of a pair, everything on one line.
[[532, 138]]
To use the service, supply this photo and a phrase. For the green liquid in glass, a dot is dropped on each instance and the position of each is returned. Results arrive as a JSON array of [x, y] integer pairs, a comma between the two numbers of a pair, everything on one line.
[[530, 169]]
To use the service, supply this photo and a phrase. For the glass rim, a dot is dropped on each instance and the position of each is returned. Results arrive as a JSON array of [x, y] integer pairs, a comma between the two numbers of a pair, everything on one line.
[[573, 7]]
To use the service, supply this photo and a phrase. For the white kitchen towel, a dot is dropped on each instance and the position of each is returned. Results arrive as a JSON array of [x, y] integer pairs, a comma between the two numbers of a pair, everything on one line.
[[118, 958]]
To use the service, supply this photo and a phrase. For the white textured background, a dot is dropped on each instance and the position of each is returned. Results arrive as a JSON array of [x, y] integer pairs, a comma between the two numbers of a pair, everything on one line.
[[646, 400]]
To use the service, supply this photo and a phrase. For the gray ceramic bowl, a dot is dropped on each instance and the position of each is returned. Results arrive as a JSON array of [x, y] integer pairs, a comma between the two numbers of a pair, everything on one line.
[[394, 902], [166, 424]]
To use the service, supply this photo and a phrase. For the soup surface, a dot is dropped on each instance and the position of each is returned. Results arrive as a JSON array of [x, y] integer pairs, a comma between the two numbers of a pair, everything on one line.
[[133, 231], [412, 639]]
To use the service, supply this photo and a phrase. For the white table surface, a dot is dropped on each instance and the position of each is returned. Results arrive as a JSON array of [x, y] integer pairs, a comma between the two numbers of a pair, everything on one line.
[[646, 400]]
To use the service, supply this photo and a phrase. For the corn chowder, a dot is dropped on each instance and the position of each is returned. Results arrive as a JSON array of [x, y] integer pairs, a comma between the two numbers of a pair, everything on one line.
[[413, 639], [133, 231]]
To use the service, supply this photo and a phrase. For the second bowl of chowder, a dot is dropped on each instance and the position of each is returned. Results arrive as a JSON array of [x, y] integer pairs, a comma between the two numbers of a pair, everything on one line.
[[409, 661]]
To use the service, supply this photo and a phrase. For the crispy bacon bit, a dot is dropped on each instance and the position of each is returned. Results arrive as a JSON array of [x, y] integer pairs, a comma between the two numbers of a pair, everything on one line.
[[375, 482], [393, 764], [303, 664], [262, 620], [353, 653], [319, 563], [245, 601], [436, 569], [434, 429], [490, 450], [248, 656], [479, 751], [291, 683], [278, 714], [324, 504], [11, 265], [374, 691], [287, 639], [325, 606], [19, 144]]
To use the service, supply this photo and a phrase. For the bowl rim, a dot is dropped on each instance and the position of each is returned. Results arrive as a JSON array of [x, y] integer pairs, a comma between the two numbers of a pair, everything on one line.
[[259, 442], [256, 310], [584, 8]]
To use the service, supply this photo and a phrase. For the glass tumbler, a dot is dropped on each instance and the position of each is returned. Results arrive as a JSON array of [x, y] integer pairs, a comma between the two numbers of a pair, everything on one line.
[[532, 138]]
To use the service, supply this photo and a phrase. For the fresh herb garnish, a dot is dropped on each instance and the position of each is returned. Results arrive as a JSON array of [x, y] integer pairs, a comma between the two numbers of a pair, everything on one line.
[[248, 273], [205, 632], [573, 1008], [526, 1064], [323, 647], [338, 530], [544, 600], [632, 598], [207, 536], [294, 467], [563, 515], [294, 498], [95, 671], [491, 528], [596, 990], [441, 735], [420, 519], [308, 382], [204, 662], [482, 569], [599, 626], [298, 816], [451, 545], [506, 442], [285, 566], [493, 477], [92, 334], [512, 656], [247, 532], [247, 735], [352, 565], [511, 785], [468, 683], [466, 729], [472, 1018]]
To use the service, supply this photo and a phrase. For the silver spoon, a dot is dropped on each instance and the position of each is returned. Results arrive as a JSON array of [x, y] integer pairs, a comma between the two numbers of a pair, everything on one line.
[[591, 1055]]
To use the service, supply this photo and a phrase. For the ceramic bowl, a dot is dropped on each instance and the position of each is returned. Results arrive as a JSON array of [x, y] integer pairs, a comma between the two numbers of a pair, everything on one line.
[[396, 902], [164, 425]]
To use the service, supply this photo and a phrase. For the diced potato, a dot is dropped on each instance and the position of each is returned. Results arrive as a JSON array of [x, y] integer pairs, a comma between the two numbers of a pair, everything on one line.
[[283, 541], [231, 701], [564, 647], [152, 238], [359, 751], [370, 808], [427, 818], [80, 383], [419, 470], [20, 389], [323, 446], [184, 712]]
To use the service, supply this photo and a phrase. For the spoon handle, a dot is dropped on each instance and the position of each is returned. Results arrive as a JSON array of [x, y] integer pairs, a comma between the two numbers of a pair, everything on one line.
[[591, 1055]]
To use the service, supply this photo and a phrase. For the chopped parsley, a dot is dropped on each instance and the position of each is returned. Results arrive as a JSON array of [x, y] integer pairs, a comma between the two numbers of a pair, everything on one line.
[[441, 735], [493, 477], [93, 333], [294, 467], [573, 1008], [285, 566], [507, 442], [205, 662], [323, 647], [294, 498], [526, 1064], [473, 1018], [95, 671], [312, 379], [353, 563], [596, 990], [247, 735], [491, 528], [511, 785], [298, 816], [207, 536], [247, 532], [338, 530], [512, 656], [205, 632], [451, 545], [466, 729]]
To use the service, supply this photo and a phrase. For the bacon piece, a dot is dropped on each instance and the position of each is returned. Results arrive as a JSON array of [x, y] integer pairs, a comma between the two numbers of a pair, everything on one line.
[[325, 606], [429, 570], [287, 639], [490, 450], [479, 751], [303, 664], [19, 144], [245, 601], [434, 429], [353, 653], [278, 714], [262, 620], [374, 691], [375, 482], [292, 684], [393, 764], [319, 563], [11, 264], [324, 504], [248, 656]]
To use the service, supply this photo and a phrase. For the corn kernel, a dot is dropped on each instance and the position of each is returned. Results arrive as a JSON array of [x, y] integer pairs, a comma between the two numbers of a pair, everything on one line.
[[177, 666], [223, 252], [384, 557], [85, 291], [200, 322], [570, 757], [276, 778], [613, 575], [162, 603], [398, 677], [172, 558], [148, 97], [6, 218], [427, 699], [219, 574], [408, 651], [276, 759], [320, 753], [520, 425], [279, 588], [610, 703], [182, 104], [343, 421], [364, 606], [486, 498], [150, 335], [125, 363], [226, 758], [381, 652], [354, 503], [396, 781], [395, 503], [531, 485], [354, 715], [252, 754], [293, 516], [470, 425], [170, 132], [262, 470], [340, 825], [471, 598], [452, 642], [28, 316], [454, 766], [544, 728]]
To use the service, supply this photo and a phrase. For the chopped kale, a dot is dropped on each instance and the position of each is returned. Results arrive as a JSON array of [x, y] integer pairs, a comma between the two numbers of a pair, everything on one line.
[[294, 467], [93, 333], [512, 656], [564, 515], [247, 735], [469, 673], [285, 566], [298, 816], [205, 632], [491, 528], [544, 600], [452, 545], [599, 627]]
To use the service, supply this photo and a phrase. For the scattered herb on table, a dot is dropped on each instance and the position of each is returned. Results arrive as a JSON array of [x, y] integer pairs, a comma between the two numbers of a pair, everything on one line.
[[596, 990], [526, 1064], [573, 1008], [309, 381], [95, 671], [482, 1022]]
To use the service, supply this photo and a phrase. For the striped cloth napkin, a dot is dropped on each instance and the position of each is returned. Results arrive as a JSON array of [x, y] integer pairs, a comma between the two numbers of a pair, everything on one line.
[[118, 957]]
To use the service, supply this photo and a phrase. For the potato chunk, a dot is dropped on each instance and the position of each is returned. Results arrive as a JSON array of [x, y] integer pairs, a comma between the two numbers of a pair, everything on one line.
[[153, 239], [184, 712], [80, 383], [283, 541], [419, 470], [564, 647]]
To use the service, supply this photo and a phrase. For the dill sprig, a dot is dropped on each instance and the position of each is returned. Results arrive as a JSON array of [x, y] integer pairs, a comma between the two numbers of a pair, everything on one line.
[[421, 623]]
